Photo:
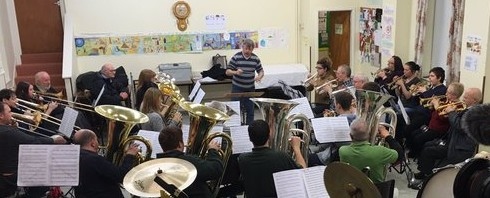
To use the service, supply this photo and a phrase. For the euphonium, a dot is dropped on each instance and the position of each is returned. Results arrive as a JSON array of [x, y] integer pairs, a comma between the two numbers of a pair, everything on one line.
[[275, 112], [459, 106], [307, 83], [130, 118], [202, 120], [168, 88], [370, 108]]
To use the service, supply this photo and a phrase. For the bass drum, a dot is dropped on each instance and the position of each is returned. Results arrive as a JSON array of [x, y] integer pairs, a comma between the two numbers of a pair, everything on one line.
[[440, 183], [473, 180]]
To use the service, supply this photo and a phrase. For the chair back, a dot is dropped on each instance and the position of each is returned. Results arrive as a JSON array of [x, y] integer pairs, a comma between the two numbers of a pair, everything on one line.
[[386, 188]]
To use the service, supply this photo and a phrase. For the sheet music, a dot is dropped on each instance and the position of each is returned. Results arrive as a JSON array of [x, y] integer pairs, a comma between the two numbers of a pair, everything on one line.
[[303, 107], [68, 121], [331, 129], [48, 165], [151, 136], [290, 183], [185, 133], [208, 79], [315, 186], [404, 113], [199, 96], [196, 87], [216, 129], [241, 141], [235, 119]]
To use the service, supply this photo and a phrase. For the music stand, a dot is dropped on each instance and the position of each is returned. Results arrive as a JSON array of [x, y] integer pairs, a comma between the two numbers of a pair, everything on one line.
[[243, 95]]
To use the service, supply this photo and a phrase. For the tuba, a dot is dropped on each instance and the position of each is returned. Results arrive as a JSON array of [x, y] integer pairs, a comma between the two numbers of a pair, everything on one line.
[[168, 88], [130, 118], [370, 108], [275, 112], [202, 120]]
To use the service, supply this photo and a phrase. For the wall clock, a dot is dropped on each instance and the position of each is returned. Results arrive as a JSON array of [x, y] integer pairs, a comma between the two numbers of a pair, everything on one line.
[[182, 10]]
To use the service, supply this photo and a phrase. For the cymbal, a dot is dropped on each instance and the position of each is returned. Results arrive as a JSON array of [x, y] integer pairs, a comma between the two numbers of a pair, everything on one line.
[[139, 180], [343, 180]]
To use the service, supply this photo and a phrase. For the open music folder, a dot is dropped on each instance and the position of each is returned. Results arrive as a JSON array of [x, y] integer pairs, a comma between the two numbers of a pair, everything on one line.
[[306, 182]]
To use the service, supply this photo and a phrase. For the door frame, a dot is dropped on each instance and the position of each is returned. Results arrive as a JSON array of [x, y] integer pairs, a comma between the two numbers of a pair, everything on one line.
[[314, 51]]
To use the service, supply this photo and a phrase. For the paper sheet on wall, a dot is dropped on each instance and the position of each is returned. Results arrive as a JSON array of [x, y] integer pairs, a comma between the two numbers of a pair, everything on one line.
[[48, 165], [215, 22], [303, 107], [241, 141], [331, 129], [151, 136], [273, 38]]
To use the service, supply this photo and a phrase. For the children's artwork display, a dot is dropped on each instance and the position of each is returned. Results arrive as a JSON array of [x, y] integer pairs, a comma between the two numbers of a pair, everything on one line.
[[370, 35]]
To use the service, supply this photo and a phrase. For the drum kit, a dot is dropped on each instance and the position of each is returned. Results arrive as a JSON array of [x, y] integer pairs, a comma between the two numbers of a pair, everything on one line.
[[164, 177]]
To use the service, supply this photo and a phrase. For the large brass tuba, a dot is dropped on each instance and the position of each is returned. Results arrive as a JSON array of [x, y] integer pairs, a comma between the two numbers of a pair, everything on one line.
[[130, 118], [275, 112], [370, 108], [168, 87], [202, 120]]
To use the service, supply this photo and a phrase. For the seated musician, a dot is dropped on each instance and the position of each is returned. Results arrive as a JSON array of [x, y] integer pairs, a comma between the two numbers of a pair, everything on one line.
[[153, 107], [344, 80], [324, 73], [386, 75], [107, 89], [210, 168], [25, 91], [258, 166], [438, 125], [10, 139], [146, 80], [405, 83], [420, 115], [358, 80], [324, 153], [42, 82], [454, 148], [362, 154], [98, 176]]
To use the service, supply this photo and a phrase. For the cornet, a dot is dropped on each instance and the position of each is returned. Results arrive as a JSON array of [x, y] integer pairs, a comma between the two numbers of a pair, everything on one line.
[[414, 89], [307, 83], [386, 70], [459, 106], [427, 102], [332, 83], [392, 85]]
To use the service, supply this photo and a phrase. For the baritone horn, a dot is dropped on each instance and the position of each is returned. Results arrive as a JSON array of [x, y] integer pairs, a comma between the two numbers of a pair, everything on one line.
[[202, 120], [130, 118], [275, 113]]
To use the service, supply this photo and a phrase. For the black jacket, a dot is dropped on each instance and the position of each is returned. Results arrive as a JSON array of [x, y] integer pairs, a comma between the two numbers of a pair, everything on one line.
[[460, 146]]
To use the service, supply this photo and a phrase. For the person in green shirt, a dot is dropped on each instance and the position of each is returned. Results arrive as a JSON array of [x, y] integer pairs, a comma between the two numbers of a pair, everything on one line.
[[361, 154]]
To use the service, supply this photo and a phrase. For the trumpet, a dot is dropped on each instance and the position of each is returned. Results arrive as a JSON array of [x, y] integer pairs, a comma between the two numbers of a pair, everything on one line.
[[386, 70], [414, 89], [427, 102], [459, 106], [392, 85], [306, 83], [332, 83]]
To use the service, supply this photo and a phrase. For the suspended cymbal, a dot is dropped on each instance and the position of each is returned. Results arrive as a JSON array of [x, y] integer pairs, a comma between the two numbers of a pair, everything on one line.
[[343, 180], [139, 180]]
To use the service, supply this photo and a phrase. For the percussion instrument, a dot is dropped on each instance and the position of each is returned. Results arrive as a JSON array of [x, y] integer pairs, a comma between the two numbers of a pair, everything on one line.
[[345, 181]]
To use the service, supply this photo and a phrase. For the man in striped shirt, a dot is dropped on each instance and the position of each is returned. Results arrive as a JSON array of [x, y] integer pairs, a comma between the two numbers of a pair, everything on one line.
[[242, 67]]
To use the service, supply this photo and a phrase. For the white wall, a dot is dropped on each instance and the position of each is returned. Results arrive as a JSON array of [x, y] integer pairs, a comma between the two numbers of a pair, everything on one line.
[[440, 40], [155, 16], [8, 45]]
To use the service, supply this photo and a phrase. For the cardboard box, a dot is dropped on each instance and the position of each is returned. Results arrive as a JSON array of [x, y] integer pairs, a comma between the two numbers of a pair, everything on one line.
[[179, 71]]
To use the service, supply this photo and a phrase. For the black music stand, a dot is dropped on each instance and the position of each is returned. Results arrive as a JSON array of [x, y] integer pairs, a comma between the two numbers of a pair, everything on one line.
[[243, 114]]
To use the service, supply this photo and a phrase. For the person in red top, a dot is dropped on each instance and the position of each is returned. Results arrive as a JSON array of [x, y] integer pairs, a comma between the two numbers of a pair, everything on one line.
[[438, 125]]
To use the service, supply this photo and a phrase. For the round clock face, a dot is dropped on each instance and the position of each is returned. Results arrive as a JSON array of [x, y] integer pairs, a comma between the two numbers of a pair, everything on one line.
[[181, 9]]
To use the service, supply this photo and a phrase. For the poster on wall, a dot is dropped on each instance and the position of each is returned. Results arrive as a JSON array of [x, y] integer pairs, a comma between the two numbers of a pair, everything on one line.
[[273, 38], [236, 38], [323, 20], [215, 22], [370, 28], [182, 43], [216, 41], [473, 52]]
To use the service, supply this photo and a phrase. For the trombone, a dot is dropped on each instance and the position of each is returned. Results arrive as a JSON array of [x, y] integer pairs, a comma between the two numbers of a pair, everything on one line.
[[333, 83], [307, 83], [58, 95], [44, 116], [71, 104], [427, 102]]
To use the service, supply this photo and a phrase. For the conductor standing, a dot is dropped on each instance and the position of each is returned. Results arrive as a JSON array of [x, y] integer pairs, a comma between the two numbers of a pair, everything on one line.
[[242, 67]]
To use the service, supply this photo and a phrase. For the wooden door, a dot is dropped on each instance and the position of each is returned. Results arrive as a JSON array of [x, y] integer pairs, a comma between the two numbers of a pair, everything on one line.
[[339, 37], [40, 26]]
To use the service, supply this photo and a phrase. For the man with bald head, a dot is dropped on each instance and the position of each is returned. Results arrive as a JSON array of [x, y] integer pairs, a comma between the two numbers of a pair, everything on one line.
[[106, 90], [98, 176], [42, 80], [456, 147]]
